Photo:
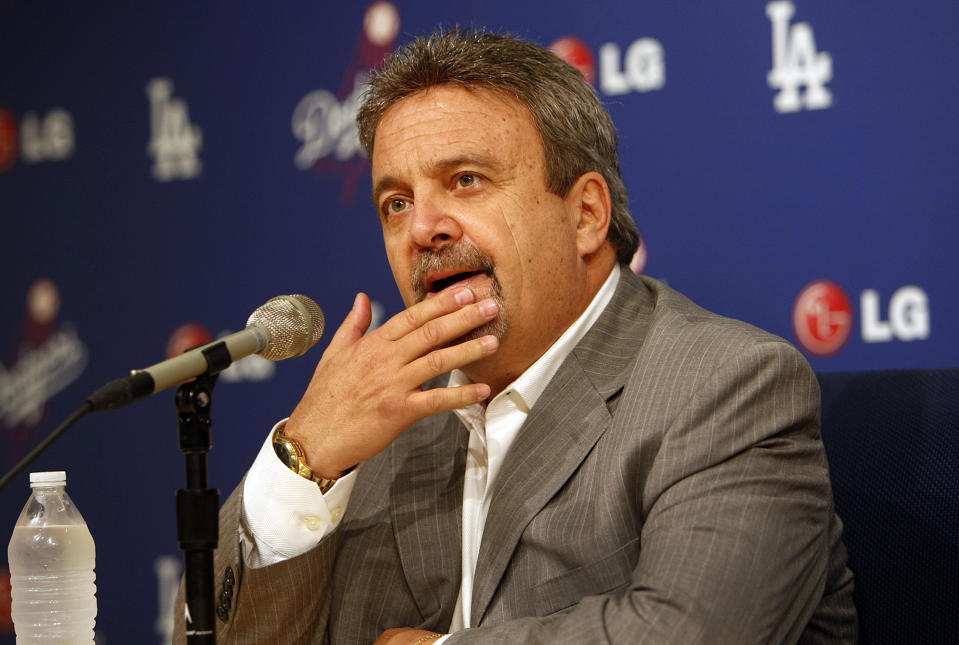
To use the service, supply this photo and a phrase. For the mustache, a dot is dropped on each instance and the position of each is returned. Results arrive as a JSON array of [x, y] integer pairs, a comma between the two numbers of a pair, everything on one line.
[[456, 256]]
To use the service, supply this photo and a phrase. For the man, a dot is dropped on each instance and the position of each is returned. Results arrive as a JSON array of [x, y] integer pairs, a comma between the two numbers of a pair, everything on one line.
[[593, 458]]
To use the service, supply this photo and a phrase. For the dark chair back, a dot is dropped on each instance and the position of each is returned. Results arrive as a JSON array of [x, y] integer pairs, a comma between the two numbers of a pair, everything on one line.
[[892, 439]]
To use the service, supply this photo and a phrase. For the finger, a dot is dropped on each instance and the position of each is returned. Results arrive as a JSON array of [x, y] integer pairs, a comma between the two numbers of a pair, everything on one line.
[[445, 329], [444, 399], [355, 324], [414, 317], [441, 361]]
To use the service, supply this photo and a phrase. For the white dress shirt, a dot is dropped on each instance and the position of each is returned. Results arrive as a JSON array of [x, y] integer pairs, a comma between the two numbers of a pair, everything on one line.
[[285, 515]]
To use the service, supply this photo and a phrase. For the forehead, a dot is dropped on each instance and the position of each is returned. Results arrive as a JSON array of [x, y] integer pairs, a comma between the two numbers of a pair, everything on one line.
[[446, 121]]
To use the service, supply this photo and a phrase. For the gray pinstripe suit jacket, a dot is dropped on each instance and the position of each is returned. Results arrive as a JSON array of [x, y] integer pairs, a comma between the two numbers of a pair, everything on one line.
[[669, 486]]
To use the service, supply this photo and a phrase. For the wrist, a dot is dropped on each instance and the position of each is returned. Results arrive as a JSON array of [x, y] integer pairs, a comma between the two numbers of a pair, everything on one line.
[[320, 459], [291, 453]]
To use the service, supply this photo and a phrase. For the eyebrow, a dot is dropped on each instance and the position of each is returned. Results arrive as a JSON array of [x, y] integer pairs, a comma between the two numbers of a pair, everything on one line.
[[479, 161]]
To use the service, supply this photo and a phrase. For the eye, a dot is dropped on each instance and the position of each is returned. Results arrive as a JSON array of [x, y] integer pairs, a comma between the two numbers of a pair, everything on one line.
[[396, 206], [466, 180]]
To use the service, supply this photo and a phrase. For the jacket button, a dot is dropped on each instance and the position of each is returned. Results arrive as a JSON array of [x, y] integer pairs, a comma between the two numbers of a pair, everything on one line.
[[226, 595]]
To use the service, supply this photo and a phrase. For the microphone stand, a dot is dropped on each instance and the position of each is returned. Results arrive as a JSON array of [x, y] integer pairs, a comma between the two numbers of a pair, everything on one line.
[[197, 509], [294, 319]]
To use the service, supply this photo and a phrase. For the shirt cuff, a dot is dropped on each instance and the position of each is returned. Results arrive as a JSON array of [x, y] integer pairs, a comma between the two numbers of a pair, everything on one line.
[[284, 514]]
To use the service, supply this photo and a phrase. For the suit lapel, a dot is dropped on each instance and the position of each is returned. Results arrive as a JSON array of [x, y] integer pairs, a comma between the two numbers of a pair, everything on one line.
[[428, 461], [565, 423]]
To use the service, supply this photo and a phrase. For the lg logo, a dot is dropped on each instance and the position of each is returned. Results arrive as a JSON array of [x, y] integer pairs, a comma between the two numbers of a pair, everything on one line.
[[908, 317], [36, 138], [641, 68], [823, 317]]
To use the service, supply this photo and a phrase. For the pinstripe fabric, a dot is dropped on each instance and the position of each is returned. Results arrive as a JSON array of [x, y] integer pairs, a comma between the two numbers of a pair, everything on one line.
[[669, 486]]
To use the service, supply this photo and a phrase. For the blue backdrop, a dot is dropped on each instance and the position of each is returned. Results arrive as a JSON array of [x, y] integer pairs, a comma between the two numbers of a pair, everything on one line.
[[165, 169]]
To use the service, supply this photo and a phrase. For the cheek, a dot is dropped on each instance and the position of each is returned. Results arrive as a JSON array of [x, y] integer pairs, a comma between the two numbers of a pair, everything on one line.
[[522, 223], [539, 233], [400, 266]]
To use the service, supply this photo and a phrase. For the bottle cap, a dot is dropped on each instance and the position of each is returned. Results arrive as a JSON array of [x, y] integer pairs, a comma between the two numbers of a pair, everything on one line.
[[48, 478]]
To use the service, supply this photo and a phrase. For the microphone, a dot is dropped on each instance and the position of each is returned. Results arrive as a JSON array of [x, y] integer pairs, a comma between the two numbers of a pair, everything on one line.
[[283, 327]]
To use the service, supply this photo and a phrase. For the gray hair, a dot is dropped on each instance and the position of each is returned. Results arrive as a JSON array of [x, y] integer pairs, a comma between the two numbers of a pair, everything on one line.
[[577, 132]]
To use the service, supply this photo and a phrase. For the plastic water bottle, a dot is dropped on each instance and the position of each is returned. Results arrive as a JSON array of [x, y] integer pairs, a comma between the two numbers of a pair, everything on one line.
[[51, 557]]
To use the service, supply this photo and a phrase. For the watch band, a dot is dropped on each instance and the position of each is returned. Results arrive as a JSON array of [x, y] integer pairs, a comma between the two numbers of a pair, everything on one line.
[[291, 454]]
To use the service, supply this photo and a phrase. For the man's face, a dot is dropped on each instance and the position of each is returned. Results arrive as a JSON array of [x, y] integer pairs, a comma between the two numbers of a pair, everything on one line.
[[459, 180]]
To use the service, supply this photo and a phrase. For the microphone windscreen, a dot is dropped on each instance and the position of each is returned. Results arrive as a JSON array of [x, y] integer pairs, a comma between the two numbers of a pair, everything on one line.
[[293, 325]]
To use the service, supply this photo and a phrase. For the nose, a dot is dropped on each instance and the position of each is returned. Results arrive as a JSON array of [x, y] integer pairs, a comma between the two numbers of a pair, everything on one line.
[[432, 224]]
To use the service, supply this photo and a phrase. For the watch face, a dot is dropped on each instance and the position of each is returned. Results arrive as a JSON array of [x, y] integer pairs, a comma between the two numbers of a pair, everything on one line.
[[291, 455], [285, 452]]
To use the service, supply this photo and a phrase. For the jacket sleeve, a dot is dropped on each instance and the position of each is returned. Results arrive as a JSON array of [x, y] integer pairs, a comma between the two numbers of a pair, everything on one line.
[[282, 603]]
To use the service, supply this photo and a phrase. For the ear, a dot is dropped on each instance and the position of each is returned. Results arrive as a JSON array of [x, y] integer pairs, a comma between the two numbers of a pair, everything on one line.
[[592, 207]]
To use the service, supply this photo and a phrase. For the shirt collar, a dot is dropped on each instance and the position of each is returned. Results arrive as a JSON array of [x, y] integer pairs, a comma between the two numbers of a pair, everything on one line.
[[527, 388]]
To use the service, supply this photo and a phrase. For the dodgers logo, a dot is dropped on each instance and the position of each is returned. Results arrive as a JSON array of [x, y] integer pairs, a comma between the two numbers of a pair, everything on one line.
[[175, 142], [796, 63], [46, 358], [325, 123]]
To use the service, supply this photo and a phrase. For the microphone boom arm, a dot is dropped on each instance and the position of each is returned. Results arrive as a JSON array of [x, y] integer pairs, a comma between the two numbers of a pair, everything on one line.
[[211, 358]]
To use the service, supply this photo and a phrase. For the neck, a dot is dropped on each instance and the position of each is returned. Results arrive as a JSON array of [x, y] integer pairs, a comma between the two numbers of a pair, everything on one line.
[[518, 352]]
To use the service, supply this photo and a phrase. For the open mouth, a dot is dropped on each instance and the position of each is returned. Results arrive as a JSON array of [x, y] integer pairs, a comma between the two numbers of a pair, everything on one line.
[[438, 284]]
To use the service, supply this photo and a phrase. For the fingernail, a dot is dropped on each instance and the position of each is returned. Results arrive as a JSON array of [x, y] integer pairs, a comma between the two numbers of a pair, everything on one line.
[[463, 297], [356, 302], [489, 343], [488, 307]]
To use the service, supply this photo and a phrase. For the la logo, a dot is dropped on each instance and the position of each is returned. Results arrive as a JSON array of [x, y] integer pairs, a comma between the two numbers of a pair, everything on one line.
[[796, 63], [174, 141]]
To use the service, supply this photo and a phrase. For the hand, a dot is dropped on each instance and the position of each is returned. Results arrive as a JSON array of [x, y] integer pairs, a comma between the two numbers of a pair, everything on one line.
[[366, 389], [399, 636]]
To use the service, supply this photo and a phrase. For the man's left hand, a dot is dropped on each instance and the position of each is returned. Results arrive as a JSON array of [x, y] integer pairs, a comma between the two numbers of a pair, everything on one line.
[[403, 636]]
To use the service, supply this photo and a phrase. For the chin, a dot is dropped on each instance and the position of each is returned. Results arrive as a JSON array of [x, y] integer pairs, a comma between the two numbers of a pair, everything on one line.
[[496, 327]]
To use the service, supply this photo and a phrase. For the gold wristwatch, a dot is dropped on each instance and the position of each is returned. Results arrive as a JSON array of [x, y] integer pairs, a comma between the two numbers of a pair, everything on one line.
[[291, 454]]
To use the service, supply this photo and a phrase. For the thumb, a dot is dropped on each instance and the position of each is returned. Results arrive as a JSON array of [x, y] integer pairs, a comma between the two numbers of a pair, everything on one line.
[[355, 324]]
